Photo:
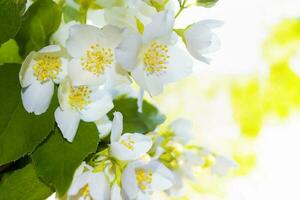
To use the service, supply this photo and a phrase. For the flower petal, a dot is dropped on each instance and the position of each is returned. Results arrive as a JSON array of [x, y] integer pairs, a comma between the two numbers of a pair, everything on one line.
[[117, 127], [80, 38], [99, 187], [68, 122], [26, 76], [37, 97], [79, 76], [161, 25], [78, 183], [104, 126], [128, 50], [129, 181], [131, 146], [97, 109], [115, 192]]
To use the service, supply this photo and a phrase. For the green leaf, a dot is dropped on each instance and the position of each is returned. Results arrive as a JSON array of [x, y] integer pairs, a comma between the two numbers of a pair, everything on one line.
[[206, 3], [70, 14], [20, 132], [23, 184], [10, 20], [134, 121], [40, 21], [9, 52], [56, 160]]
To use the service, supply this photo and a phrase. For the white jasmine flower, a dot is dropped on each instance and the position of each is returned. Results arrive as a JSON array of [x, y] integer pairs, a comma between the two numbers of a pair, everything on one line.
[[80, 102], [222, 165], [140, 179], [38, 73], [152, 58], [129, 146], [92, 52], [200, 39], [182, 130], [89, 184]]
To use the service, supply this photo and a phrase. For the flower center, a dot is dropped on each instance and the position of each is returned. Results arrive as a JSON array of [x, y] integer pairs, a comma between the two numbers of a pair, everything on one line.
[[143, 178], [96, 59], [85, 191], [79, 97], [47, 67], [128, 143], [156, 58]]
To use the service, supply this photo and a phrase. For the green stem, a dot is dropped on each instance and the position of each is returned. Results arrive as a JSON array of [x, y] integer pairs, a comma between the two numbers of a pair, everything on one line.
[[182, 7]]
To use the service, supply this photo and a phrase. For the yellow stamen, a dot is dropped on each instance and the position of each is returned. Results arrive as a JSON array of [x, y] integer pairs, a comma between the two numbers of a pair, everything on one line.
[[143, 178], [85, 191], [156, 58], [79, 97], [97, 59], [47, 67], [128, 143]]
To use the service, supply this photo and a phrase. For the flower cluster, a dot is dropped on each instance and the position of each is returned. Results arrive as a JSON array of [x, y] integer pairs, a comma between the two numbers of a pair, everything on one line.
[[134, 165], [88, 65]]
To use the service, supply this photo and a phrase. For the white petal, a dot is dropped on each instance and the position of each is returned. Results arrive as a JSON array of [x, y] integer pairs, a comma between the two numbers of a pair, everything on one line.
[[99, 187], [116, 192], [26, 76], [78, 183], [222, 166], [81, 37], [50, 49], [140, 100], [128, 50], [62, 34], [129, 181], [110, 36], [63, 73], [117, 127], [97, 109], [161, 25], [182, 130], [104, 126], [162, 177], [37, 97], [179, 65], [80, 76], [151, 83], [143, 196], [140, 145], [96, 18], [68, 122]]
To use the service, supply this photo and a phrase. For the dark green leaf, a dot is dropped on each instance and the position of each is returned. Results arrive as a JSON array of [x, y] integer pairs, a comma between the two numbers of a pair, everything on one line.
[[207, 3], [56, 160], [9, 52], [135, 121], [10, 20], [20, 132], [40, 21], [23, 184]]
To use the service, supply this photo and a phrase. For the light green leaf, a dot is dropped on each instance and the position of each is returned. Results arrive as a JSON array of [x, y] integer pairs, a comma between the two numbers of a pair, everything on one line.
[[206, 3], [9, 52], [40, 21], [134, 121], [56, 160], [20, 132], [23, 184], [10, 20], [70, 14]]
